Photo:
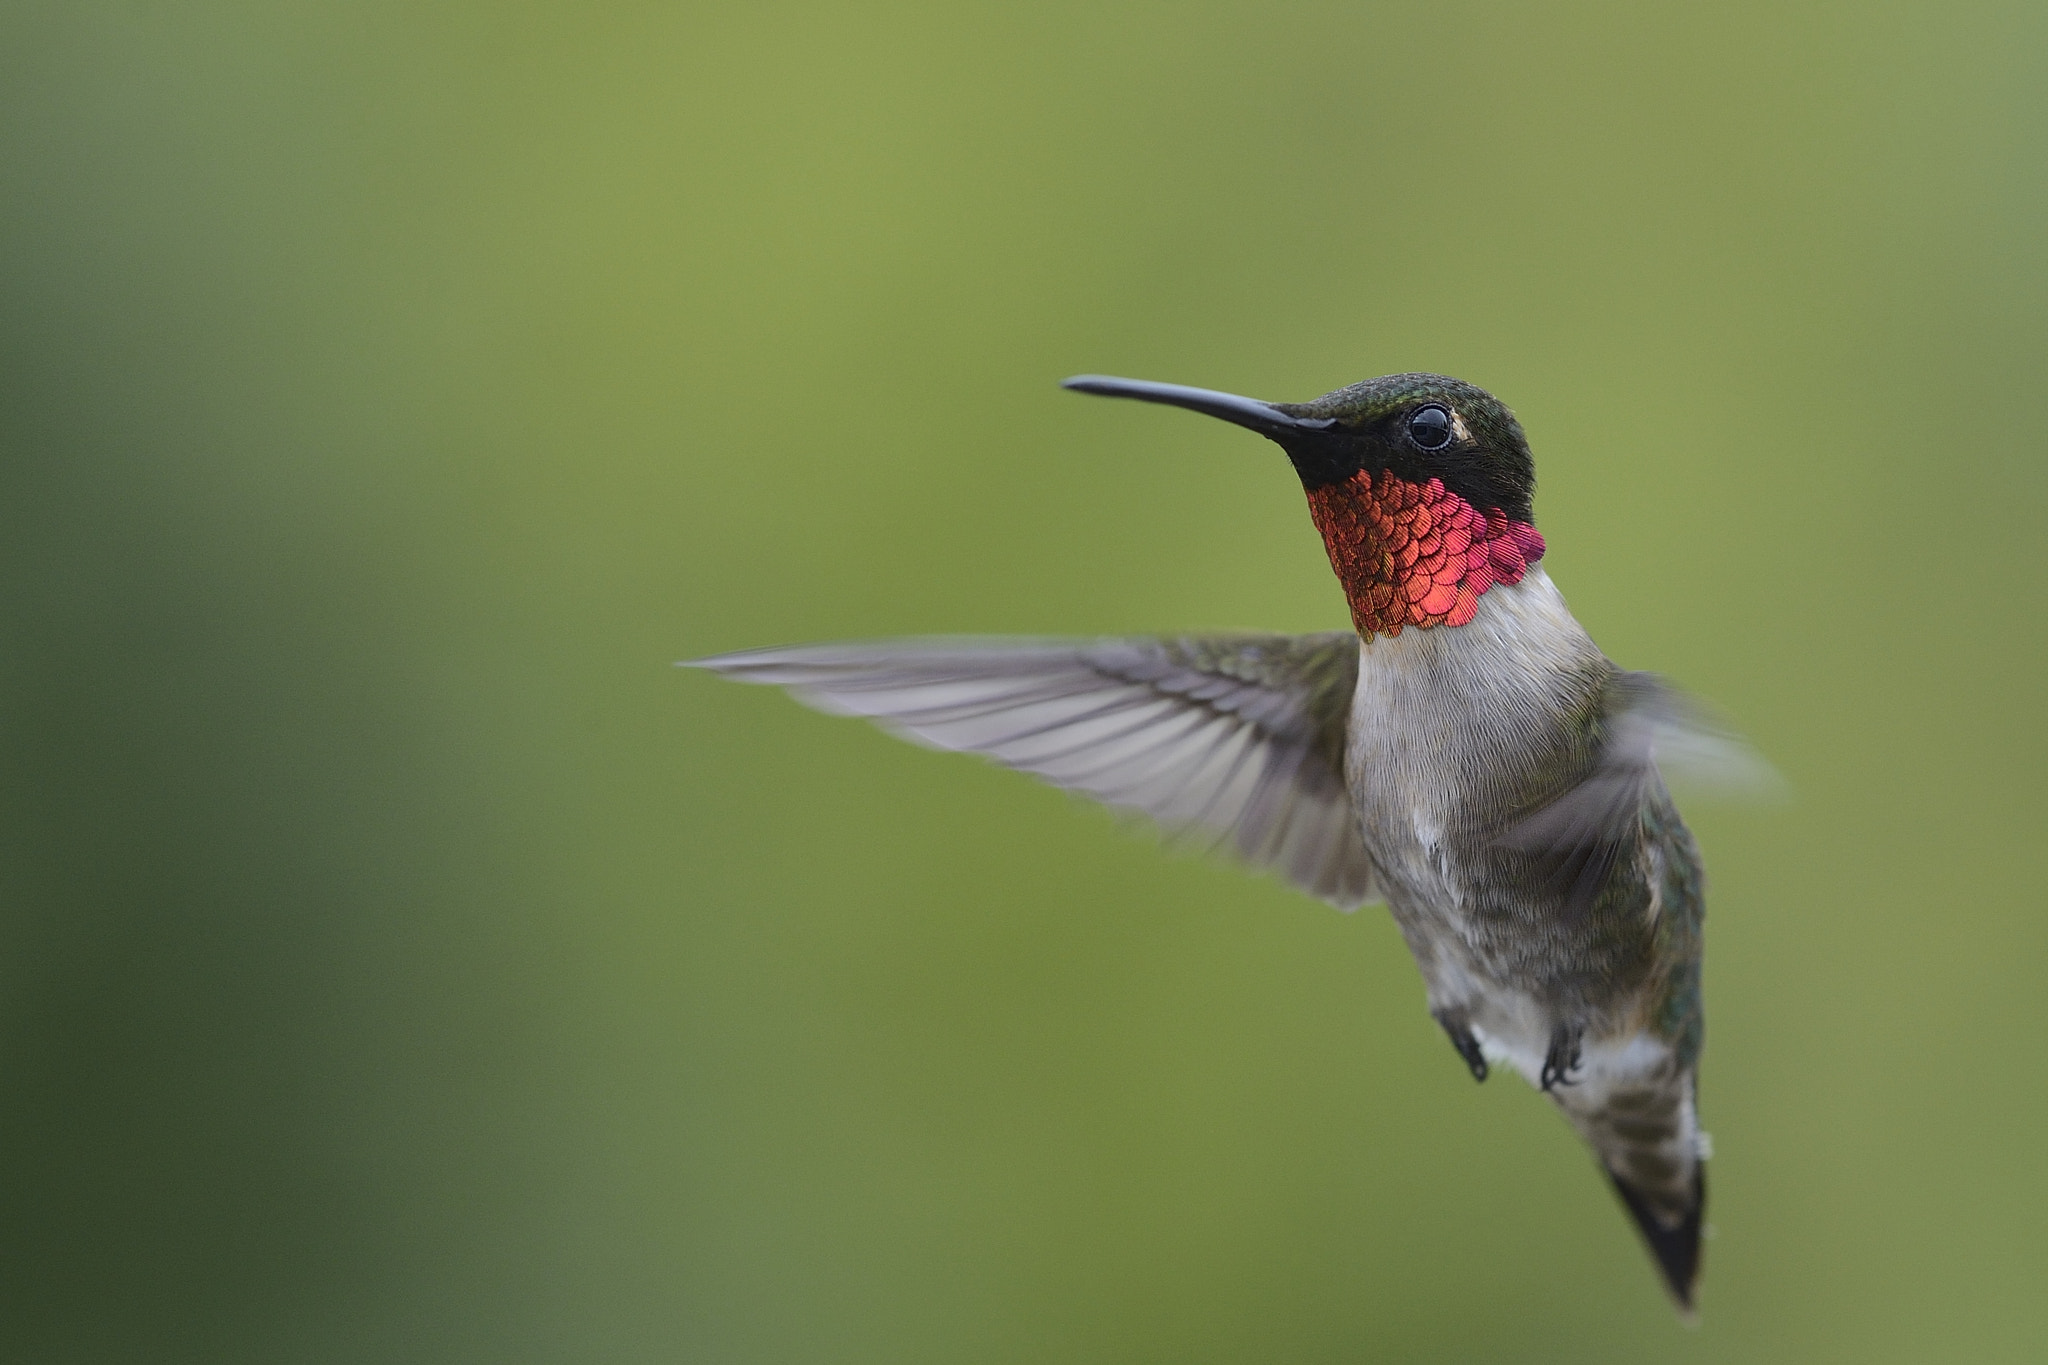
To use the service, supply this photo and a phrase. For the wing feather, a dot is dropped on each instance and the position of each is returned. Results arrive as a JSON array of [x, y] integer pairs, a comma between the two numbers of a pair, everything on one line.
[[1235, 742], [1651, 732]]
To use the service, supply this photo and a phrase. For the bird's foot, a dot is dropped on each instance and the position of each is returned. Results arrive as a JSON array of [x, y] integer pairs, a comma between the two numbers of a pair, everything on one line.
[[1563, 1057], [1463, 1039]]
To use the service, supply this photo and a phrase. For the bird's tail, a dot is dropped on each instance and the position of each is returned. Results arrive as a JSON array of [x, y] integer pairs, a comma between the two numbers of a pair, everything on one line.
[[1674, 1243], [1646, 1133]]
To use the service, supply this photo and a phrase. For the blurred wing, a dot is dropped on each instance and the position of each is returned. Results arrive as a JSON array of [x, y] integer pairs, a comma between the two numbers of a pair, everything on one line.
[[1651, 730], [1237, 740]]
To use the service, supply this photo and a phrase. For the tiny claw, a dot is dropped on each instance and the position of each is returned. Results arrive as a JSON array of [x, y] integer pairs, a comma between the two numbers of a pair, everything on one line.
[[1563, 1057], [1467, 1043]]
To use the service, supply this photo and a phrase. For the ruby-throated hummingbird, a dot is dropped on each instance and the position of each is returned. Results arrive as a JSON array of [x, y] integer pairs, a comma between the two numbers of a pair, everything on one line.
[[1468, 756]]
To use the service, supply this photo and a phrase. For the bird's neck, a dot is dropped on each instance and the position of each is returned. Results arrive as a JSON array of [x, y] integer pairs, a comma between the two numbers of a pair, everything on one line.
[[1416, 554]]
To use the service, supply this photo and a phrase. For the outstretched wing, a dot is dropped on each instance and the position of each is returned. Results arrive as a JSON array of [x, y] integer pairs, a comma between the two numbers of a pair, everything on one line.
[[1234, 739], [1649, 730]]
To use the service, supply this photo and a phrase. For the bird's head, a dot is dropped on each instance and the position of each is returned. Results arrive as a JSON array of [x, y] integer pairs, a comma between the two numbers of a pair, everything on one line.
[[1420, 484]]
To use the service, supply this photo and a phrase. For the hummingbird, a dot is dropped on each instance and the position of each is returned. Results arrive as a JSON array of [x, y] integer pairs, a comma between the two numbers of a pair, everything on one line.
[[1464, 754]]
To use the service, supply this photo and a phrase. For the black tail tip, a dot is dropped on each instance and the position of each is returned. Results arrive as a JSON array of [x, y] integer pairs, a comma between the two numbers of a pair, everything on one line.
[[1674, 1247]]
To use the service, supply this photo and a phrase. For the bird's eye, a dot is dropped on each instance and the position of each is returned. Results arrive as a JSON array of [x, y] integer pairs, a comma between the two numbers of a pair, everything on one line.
[[1430, 427]]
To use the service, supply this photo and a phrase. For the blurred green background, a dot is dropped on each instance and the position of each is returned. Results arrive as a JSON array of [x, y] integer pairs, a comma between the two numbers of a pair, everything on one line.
[[401, 961]]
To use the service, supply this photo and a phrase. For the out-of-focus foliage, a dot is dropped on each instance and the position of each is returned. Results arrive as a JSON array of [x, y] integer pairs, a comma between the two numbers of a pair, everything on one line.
[[399, 961]]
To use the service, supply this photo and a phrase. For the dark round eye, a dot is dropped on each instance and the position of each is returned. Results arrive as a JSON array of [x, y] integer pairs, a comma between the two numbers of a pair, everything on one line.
[[1430, 427]]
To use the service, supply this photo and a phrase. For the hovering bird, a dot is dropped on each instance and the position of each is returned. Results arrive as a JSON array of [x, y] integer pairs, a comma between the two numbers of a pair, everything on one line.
[[1465, 754]]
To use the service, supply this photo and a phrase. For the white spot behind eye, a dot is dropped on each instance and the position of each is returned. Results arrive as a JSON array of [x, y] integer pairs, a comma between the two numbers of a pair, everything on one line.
[[1459, 431]]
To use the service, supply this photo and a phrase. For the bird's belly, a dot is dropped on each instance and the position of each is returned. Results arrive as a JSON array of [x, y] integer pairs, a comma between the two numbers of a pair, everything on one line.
[[1485, 945], [1477, 955]]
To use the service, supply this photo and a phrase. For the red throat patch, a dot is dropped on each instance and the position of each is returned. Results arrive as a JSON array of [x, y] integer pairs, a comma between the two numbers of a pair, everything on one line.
[[1416, 554]]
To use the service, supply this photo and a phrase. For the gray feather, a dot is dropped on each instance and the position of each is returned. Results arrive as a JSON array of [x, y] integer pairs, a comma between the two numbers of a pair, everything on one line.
[[1235, 740], [1648, 731]]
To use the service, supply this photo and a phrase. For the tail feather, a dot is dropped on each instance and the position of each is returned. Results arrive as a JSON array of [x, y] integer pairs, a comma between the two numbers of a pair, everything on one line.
[[1634, 1107], [1675, 1246]]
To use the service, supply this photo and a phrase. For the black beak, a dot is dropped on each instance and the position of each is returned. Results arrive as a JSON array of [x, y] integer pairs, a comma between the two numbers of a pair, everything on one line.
[[1264, 418]]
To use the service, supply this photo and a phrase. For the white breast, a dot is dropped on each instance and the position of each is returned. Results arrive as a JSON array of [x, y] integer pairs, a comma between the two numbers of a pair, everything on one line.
[[1439, 716], [1437, 710]]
